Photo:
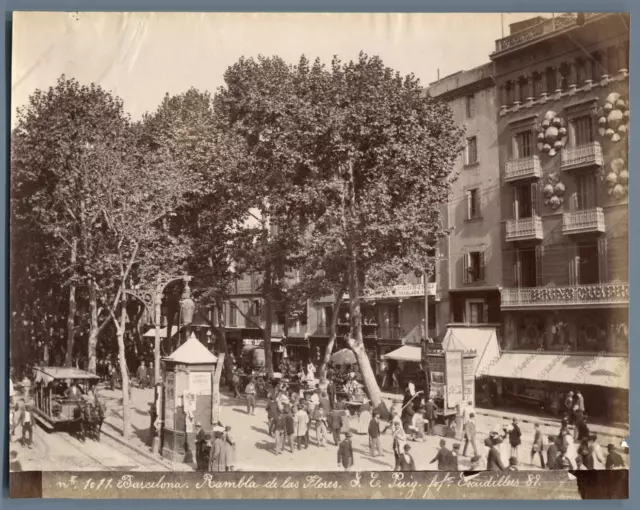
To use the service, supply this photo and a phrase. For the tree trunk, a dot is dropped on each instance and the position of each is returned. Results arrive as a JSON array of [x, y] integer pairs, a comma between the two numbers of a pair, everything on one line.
[[92, 342], [268, 310], [71, 314], [215, 392], [124, 373], [356, 341], [338, 297]]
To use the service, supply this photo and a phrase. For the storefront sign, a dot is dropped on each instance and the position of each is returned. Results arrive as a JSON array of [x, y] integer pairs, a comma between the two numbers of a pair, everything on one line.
[[253, 341], [453, 369], [200, 383]]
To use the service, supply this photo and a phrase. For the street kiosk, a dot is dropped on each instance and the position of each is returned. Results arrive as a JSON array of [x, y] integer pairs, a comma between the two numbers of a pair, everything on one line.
[[188, 388]]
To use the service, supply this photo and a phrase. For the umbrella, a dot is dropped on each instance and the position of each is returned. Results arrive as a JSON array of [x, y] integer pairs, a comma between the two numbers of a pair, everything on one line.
[[343, 357]]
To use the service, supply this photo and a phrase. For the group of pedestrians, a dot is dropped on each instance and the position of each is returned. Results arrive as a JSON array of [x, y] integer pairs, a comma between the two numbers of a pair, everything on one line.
[[216, 451]]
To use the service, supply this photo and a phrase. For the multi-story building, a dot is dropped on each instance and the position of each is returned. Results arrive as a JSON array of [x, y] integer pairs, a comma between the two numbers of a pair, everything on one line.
[[468, 262], [563, 157]]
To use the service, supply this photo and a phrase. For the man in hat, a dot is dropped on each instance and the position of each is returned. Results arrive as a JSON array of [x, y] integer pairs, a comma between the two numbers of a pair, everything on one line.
[[250, 391], [302, 427], [406, 460], [494, 460], [335, 422], [443, 457], [513, 464], [568, 404], [200, 447], [345, 452], [553, 451], [430, 415], [374, 434], [290, 427], [470, 435], [217, 457], [280, 430], [614, 459], [453, 460]]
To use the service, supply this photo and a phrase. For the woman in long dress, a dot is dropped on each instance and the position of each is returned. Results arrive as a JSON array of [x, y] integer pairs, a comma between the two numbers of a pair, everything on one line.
[[365, 418], [229, 449], [217, 457]]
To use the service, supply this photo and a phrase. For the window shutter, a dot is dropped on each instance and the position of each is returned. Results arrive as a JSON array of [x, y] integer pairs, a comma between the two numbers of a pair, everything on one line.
[[539, 265], [573, 266], [602, 260], [534, 199], [478, 210], [481, 267], [465, 268], [468, 204], [517, 269], [485, 313], [514, 193]]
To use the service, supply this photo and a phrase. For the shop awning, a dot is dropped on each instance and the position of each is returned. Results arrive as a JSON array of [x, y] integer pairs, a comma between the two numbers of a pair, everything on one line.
[[482, 340], [405, 353], [606, 371], [163, 332]]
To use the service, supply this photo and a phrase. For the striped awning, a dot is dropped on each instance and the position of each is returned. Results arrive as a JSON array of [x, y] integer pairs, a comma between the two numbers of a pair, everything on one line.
[[605, 371]]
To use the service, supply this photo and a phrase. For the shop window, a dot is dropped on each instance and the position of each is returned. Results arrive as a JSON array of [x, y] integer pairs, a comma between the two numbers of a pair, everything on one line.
[[530, 335]]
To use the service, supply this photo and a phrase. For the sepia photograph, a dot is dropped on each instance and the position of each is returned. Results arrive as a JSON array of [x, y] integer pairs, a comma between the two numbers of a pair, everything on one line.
[[306, 252]]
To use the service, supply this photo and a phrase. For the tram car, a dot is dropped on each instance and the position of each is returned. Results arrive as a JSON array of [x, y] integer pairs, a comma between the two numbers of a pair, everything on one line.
[[64, 397]]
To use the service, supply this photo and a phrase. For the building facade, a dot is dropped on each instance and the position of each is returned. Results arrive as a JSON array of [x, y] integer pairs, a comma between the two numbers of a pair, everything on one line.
[[469, 261], [563, 87]]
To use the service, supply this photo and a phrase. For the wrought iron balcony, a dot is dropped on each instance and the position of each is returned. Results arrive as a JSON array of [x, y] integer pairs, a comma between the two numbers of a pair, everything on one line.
[[390, 332], [523, 168], [540, 30], [524, 229], [576, 295], [584, 221], [399, 291], [586, 155]]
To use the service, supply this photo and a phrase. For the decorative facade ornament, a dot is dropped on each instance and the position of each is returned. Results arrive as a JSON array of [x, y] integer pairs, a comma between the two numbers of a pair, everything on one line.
[[553, 191], [613, 117], [617, 179], [552, 134]]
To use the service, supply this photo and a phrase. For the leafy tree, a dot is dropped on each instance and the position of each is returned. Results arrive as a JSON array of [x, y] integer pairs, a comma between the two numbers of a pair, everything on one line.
[[357, 162]]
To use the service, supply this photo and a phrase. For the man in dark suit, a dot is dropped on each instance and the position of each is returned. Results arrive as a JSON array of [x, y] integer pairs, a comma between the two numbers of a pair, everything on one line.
[[614, 459], [443, 457], [494, 462], [552, 452], [430, 415], [335, 422], [331, 390], [345, 452]]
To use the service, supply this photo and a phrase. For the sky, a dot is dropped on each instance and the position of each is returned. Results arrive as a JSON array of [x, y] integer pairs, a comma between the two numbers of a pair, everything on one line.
[[142, 56]]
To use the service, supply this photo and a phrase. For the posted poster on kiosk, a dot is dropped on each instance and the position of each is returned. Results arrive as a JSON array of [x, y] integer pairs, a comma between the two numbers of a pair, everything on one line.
[[453, 371]]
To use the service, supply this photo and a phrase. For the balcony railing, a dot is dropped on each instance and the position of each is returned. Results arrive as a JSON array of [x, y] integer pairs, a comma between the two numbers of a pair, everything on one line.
[[390, 332], [579, 295], [523, 168], [585, 221], [524, 229], [540, 30], [588, 154], [416, 290]]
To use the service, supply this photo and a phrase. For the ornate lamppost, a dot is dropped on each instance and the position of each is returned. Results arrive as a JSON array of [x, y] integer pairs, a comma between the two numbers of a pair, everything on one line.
[[152, 300]]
